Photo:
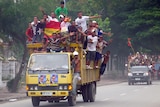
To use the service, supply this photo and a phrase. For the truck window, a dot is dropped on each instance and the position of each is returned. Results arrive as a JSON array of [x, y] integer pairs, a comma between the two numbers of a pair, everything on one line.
[[48, 63]]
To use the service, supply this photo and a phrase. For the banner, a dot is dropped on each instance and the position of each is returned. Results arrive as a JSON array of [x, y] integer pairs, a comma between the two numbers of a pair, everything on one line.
[[52, 27]]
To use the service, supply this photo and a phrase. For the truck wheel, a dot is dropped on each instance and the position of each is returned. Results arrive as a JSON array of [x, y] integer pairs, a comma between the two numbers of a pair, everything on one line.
[[35, 101], [72, 100], [85, 93], [92, 92]]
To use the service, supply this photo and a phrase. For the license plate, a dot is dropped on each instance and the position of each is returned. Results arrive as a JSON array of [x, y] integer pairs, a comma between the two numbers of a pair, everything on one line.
[[47, 93], [137, 79]]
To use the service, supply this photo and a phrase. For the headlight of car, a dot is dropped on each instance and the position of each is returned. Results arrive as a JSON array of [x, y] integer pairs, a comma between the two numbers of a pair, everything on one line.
[[130, 74], [146, 74]]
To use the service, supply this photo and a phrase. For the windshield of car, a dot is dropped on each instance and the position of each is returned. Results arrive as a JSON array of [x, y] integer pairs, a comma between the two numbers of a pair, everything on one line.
[[136, 69], [42, 63]]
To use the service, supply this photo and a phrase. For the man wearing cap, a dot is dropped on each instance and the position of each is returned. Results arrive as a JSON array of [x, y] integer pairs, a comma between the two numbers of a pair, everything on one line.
[[61, 10], [76, 66], [82, 20], [91, 48]]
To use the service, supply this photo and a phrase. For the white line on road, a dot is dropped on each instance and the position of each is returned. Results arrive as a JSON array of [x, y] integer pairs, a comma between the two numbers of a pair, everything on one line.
[[106, 99], [145, 87], [135, 90], [123, 94], [81, 106]]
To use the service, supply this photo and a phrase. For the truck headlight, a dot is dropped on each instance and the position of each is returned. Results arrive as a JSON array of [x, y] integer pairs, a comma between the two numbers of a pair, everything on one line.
[[146, 74], [65, 87], [31, 88], [60, 87], [130, 74], [36, 88]]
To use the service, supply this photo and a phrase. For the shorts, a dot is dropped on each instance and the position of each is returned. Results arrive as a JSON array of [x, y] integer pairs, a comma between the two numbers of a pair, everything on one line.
[[98, 56], [102, 68], [91, 55]]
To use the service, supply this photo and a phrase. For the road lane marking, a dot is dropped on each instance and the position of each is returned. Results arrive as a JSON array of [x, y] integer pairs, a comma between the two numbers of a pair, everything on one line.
[[123, 94], [81, 106], [145, 87], [106, 99], [135, 90]]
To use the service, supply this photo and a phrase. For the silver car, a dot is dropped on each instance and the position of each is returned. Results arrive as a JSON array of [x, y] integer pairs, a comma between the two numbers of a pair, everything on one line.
[[139, 74]]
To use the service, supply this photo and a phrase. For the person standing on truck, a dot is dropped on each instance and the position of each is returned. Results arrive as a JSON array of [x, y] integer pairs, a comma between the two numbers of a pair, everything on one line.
[[99, 48], [76, 66], [37, 30], [61, 10], [91, 48], [51, 17], [82, 20], [29, 33]]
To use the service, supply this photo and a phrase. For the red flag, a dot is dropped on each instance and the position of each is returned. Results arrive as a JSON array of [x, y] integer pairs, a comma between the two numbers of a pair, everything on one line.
[[129, 42], [52, 27]]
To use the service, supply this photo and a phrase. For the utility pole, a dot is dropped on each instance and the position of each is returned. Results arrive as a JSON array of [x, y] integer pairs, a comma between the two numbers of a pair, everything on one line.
[[64, 3]]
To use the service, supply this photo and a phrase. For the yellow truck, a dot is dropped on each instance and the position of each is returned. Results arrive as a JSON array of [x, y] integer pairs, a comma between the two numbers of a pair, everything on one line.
[[49, 77]]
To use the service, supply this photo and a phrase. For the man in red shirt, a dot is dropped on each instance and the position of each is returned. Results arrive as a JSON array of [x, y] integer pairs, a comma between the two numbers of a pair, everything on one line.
[[29, 33]]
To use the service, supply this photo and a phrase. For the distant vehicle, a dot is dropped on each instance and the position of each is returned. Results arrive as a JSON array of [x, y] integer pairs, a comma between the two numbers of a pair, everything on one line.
[[139, 74]]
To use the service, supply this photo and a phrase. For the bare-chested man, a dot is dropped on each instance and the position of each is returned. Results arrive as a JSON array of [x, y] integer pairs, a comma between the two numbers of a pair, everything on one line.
[[76, 66]]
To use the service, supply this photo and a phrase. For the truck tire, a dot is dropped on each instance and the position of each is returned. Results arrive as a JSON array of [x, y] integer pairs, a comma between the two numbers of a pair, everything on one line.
[[72, 100], [85, 93], [92, 92], [35, 101]]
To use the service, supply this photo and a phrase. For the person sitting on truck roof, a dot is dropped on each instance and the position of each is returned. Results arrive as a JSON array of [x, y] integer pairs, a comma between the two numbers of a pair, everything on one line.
[[76, 66], [91, 48]]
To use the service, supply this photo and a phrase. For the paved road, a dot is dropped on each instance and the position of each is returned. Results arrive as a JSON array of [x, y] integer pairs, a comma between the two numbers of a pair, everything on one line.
[[117, 95]]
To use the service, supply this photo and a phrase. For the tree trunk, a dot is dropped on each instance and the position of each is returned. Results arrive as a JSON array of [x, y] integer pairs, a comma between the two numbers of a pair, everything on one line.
[[18, 75]]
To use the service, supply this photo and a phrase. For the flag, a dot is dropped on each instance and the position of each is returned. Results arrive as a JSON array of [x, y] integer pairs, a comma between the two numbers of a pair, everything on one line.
[[129, 42], [52, 27]]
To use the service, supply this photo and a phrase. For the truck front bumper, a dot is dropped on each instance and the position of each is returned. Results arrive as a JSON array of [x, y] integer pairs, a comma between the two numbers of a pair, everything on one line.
[[47, 93]]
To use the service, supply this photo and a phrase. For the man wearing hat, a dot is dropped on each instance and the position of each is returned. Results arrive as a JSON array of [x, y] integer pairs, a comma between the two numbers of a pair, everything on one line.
[[76, 66], [61, 10]]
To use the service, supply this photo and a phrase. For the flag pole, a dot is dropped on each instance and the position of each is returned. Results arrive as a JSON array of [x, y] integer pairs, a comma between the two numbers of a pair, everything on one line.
[[133, 50]]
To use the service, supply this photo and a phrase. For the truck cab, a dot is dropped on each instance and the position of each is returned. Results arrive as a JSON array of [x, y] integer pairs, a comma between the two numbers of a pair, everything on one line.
[[49, 76]]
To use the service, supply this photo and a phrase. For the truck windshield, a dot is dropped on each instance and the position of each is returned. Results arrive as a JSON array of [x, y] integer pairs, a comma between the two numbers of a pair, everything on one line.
[[42, 63]]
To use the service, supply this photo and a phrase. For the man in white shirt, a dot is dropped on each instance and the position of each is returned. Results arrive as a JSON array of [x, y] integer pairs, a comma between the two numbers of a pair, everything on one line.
[[91, 48], [37, 29], [82, 20], [52, 17]]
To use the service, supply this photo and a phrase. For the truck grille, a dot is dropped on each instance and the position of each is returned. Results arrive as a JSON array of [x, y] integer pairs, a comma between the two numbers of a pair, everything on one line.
[[48, 88], [137, 74]]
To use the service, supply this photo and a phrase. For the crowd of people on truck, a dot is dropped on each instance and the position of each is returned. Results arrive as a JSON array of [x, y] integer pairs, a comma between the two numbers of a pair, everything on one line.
[[82, 30]]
